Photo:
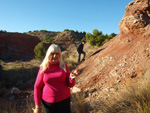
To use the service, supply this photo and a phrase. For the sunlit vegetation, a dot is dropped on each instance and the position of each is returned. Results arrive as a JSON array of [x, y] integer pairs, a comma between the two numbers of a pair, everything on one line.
[[98, 38]]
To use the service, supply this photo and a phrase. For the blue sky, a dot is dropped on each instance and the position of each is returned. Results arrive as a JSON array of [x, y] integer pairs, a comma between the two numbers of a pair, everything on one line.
[[58, 15]]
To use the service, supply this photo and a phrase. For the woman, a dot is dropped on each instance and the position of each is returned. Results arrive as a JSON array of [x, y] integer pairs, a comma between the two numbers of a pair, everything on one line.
[[53, 83]]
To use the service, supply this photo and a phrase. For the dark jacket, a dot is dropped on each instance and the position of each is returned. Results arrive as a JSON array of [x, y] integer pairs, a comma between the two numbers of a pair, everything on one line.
[[80, 47]]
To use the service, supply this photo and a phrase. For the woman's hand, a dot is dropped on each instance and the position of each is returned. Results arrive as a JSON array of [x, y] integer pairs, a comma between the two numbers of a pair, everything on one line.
[[36, 110], [73, 74]]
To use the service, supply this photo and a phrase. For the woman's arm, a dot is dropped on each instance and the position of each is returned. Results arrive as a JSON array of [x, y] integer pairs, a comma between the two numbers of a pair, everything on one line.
[[70, 81], [38, 88]]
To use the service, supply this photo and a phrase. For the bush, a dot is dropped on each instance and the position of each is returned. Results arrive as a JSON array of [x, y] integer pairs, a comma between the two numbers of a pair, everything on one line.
[[72, 40], [43, 31], [3, 31], [66, 30], [83, 39], [98, 38], [49, 39], [39, 51]]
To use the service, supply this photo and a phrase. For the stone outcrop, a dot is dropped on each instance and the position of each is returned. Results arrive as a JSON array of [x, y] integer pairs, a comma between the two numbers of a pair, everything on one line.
[[67, 36], [137, 17]]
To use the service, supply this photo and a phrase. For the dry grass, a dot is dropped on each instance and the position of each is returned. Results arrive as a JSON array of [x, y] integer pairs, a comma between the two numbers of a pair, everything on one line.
[[133, 98], [78, 102], [90, 49], [17, 106], [20, 64], [7, 107], [19, 72], [70, 59]]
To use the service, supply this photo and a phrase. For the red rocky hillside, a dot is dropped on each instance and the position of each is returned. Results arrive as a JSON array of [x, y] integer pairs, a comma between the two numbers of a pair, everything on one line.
[[123, 59], [17, 45]]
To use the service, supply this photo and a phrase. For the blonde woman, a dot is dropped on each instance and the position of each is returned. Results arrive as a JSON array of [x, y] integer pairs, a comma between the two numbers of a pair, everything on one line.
[[53, 82]]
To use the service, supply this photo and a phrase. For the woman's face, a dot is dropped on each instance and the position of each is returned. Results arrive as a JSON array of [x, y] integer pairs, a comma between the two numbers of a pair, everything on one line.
[[54, 58]]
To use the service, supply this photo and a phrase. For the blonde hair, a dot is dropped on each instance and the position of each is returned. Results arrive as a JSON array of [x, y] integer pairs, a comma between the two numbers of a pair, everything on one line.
[[53, 48]]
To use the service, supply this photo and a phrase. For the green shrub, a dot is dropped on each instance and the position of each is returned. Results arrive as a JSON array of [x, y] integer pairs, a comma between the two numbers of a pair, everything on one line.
[[66, 29], [43, 31], [72, 40], [39, 51], [49, 39], [3, 31], [98, 38]]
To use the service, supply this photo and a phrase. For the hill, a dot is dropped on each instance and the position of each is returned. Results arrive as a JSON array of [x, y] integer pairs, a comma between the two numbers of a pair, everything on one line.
[[65, 36], [121, 61], [42, 34], [17, 46], [21, 45]]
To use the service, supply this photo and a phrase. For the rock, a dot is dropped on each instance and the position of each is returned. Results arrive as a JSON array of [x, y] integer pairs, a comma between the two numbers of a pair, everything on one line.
[[136, 16], [75, 89], [15, 90]]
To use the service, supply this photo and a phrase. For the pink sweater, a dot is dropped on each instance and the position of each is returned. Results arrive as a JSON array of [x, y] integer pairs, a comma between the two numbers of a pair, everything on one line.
[[53, 85]]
